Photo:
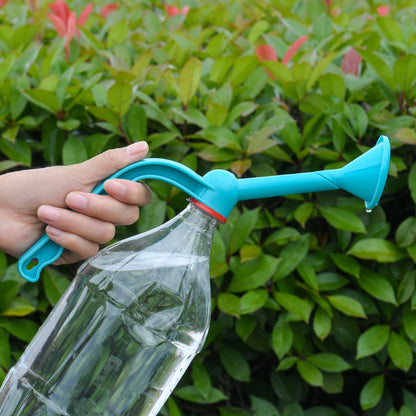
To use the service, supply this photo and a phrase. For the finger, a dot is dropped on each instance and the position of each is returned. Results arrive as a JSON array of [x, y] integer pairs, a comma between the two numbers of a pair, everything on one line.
[[110, 161], [130, 192], [77, 248], [103, 207], [86, 227]]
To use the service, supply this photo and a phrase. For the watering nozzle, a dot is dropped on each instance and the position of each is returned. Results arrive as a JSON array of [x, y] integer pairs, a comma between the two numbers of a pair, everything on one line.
[[219, 191]]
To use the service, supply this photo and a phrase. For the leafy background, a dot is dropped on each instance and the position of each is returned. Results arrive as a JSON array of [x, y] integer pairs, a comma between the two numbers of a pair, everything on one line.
[[314, 302]]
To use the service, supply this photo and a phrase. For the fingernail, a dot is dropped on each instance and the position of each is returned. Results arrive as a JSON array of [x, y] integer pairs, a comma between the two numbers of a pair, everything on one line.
[[53, 232], [76, 201], [136, 148], [48, 213], [115, 188]]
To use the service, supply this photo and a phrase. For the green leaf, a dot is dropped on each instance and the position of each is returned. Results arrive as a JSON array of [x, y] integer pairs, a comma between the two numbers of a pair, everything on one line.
[[242, 229], [8, 290], [282, 338], [380, 67], [372, 392], [409, 323], [19, 151], [44, 99], [376, 286], [104, 113], [303, 213], [310, 373], [332, 85], [6, 66], [157, 140], [23, 329], [343, 219], [242, 68], [294, 304], [201, 379], [119, 97], [234, 363], [18, 307], [262, 407], [412, 182], [259, 141], [347, 306], [329, 281], [229, 304], [373, 340], [321, 323], [291, 255], [192, 394], [252, 274], [245, 326], [405, 72], [400, 351], [253, 300], [4, 349], [307, 272], [406, 232], [135, 123], [329, 362], [54, 285], [346, 263], [74, 151], [376, 249], [189, 79], [406, 287]]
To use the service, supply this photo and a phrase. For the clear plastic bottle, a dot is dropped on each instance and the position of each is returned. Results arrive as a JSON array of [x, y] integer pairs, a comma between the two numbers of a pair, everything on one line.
[[125, 331]]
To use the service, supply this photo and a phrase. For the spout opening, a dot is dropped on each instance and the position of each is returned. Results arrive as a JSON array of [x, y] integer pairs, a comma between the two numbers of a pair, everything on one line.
[[383, 173]]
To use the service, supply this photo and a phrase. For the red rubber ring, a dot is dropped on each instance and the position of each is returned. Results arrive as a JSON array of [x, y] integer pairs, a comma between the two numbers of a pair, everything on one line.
[[208, 210]]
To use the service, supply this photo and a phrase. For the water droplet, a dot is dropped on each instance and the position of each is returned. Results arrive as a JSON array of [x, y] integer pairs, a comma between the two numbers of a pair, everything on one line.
[[368, 210]]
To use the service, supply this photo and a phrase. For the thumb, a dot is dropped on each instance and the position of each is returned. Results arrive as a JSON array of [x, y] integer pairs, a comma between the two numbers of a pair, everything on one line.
[[110, 161]]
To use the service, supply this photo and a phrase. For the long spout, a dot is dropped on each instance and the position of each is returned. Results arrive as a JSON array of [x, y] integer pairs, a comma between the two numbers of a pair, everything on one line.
[[364, 177]]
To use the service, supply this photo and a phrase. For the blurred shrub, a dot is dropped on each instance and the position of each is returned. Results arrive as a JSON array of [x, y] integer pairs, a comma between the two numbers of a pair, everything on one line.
[[314, 304]]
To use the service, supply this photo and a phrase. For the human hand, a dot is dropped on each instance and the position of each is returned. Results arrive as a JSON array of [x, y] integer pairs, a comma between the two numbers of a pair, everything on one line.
[[29, 199]]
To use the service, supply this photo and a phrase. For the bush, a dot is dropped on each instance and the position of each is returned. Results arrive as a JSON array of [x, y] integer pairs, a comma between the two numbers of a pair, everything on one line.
[[314, 302]]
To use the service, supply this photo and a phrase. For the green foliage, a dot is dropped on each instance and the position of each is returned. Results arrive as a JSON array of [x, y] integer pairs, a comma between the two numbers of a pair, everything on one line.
[[314, 302]]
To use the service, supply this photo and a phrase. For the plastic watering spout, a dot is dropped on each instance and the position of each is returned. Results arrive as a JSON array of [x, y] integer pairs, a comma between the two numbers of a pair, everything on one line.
[[219, 191]]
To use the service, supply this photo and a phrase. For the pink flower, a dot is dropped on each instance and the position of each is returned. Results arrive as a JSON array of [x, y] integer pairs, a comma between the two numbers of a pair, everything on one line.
[[294, 48], [174, 11], [351, 62], [65, 21], [109, 8], [383, 10]]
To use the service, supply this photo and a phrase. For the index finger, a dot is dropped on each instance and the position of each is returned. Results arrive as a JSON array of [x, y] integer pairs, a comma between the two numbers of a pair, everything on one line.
[[129, 192]]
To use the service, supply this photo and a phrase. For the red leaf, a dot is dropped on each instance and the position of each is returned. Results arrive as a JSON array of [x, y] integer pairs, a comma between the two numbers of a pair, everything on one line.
[[383, 10], [171, 10], [61, 9], [82, 19], [3, 3], [184, 10], [293, 49], [109, 8], [351, 62], [266, 53], [58, 24]]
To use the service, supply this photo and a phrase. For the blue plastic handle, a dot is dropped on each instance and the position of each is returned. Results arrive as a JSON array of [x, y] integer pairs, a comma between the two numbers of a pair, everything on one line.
[[45, 251], [220, 190]]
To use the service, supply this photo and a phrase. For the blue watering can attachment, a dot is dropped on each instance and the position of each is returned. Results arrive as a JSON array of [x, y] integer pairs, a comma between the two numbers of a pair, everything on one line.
[[219, 191]]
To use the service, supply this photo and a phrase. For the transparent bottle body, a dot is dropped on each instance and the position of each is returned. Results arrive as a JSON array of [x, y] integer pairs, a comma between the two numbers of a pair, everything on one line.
[[125, 331]]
